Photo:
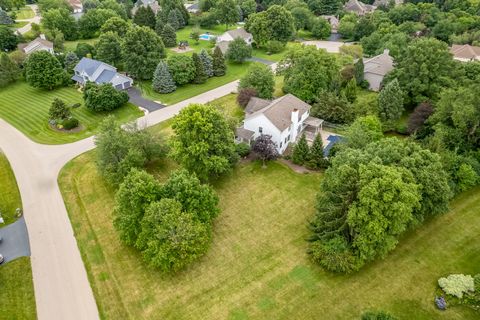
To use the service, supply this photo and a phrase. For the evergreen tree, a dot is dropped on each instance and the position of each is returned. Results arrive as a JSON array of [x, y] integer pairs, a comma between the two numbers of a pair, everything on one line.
[[359, 69], [200, 74], [351, 90], [5, 18], [390, 102], [9, 71], [169, 36], [109, 48], [207, 62], [145, 17], [58, 110], [317, 159], [159, 24], [71, 61], [173, 20], [162, 79], [180, 19], [219, 67], [301, 151]]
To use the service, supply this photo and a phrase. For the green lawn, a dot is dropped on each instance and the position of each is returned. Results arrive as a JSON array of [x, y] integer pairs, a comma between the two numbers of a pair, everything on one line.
[[234, 72], [24, 13], [257, 266], [16, 294], [19, 24], [26, 108], [72, 45]]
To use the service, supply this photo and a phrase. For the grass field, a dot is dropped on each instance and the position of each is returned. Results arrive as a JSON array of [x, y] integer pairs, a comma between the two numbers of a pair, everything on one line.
[[72, 45], [234, 72], [26, 108], [19, 24], [16, 294], [24, 13], [257, 266]]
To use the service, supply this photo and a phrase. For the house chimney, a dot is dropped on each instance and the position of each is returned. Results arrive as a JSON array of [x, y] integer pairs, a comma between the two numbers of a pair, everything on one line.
[[294, 117], [42, 36]]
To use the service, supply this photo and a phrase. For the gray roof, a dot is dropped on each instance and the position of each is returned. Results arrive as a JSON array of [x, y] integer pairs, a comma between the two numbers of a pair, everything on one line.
[[239, 33], [279, 111], [77, 78], [223, 45], [88, 65], [358, 7], [380, 65], [256, 104], [194, 6], [106, 76], [244, 134]]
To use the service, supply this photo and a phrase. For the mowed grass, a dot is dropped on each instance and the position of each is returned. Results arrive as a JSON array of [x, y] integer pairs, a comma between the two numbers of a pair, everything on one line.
[[257, 266], [24, 13], [16, 294], [26, 108], [234, 71], [72, 45]]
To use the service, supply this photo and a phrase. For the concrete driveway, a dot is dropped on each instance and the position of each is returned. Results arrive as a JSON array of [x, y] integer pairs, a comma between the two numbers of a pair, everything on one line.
[[36, 19], [329, 46], [135, 97], [14, 242]]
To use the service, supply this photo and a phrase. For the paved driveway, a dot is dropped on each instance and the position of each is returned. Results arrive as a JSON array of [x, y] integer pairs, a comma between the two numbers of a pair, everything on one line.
[[137, 99], [264, 61], [330, 46], [36, 19], [14, 242]]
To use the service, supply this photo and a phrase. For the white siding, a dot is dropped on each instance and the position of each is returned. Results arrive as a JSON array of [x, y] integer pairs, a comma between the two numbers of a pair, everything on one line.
[[261, 121]]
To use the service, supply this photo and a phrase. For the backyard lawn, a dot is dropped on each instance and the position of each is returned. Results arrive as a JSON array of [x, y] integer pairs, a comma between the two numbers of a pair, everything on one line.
[[24, 13], [72, 45], [234, 71], [257, 266], [16, 294], [26, 108]]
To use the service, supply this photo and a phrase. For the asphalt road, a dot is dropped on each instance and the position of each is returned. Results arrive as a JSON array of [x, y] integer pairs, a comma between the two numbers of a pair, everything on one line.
[[62, 289]]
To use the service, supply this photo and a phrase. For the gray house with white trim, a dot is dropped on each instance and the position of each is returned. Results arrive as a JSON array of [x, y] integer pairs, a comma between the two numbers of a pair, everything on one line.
[[99, 72]]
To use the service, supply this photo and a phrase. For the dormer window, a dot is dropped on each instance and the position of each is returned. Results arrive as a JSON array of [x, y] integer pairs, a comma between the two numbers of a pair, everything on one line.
[[260, 129]]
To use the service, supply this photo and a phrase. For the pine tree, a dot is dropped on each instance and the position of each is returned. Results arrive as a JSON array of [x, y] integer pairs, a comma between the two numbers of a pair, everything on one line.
[[207, 62], [219, 67], [162, 79], [9, 71], [200, 75], [301, 151], [390, 102], [145, 17], [317, 159], [71, 61], [169, 36], [173, 20], [359, 69], [159, 25], [5, 18], [351, 90], [180, 19]]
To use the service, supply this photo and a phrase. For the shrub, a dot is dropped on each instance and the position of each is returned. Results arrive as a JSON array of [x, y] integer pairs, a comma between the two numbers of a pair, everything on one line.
[[244, 96], [274, 46], [238, 50], [476, 282], [242, 149], [377, 315], [334, 255], [103, 97], [70, 123], [457, 284], [58, 110], [76, 105]]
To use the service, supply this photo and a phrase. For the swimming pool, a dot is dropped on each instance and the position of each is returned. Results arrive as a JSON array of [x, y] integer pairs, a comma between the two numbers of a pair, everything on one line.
[[206, 36]]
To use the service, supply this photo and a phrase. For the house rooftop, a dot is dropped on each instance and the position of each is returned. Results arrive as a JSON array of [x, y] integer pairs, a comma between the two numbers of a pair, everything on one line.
[[239, 32], [381, 64], [255, 104], [35, 44], [358, 7], [279, 111], [465, 51], [89, 66]]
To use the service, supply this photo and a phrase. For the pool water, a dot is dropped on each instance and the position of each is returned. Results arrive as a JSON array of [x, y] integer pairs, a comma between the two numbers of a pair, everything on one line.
[[206, 36]]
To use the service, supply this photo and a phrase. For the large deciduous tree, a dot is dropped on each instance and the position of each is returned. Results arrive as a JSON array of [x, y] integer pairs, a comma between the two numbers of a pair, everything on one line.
[[238, 51], [276, 23], [203, 141], [181, 68], [62, 20], [103, 97], [117, 25], [90, 23], [228, 12], [259, 77], [308, 72], [109, 48], [142, 51], [8, 40], [9, 71], [44, 71]]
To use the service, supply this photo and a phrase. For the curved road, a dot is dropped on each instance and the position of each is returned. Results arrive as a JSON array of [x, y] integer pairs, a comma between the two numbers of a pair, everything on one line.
[[62, 289]]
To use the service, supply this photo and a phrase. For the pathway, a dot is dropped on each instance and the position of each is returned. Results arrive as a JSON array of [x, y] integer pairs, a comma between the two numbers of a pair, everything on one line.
[[329, 46], [62, 289], [36, 19]]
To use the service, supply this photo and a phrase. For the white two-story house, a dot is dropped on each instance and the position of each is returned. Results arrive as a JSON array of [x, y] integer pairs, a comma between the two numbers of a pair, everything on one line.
[[100, 72], [285, 119]]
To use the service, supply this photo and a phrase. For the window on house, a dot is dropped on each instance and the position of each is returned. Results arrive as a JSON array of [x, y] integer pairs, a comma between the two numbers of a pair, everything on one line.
[[285, 140], [281, 144], [260, 129]]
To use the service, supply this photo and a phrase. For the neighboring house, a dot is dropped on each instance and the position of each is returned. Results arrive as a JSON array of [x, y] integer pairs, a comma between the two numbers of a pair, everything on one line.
[[386, 3], [39, 44], [334, 22], [100, 72], [153, 4], [224, 40], [76, 6], [285, 119], [358, 7], [376, 68], [465, 52], [192, 7]]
